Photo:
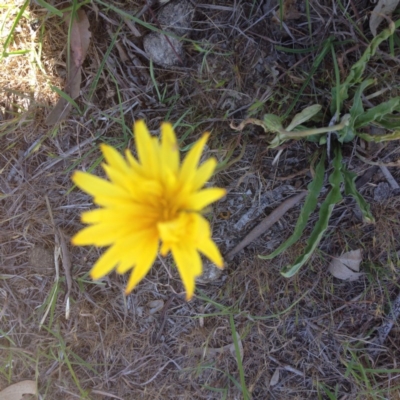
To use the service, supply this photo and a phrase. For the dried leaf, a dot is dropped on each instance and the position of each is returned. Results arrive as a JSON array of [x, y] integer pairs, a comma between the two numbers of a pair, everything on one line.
[[275, 378], [16, 391], [155, 306], [79, 42], [383, 8], [347, 266]]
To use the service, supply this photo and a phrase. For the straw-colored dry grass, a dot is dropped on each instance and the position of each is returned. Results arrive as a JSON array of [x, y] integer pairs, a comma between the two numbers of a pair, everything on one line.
[[302, 338]]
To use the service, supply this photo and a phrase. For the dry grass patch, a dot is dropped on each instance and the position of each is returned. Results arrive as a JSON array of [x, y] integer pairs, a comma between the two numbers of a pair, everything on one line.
[[302, 338]]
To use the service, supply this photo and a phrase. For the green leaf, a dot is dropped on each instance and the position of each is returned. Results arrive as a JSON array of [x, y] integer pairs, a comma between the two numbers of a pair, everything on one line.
[[325, 212], [303, 116], [358, 68], [273, 123], [347, 134], [380, 138], [375, 114], [350, 189], [310, 203], [357, 108], [50, 8], [66, 97], [390, 121]]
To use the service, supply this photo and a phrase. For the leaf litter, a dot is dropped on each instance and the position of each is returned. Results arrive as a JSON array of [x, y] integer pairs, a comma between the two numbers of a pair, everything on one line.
[[347, 266]]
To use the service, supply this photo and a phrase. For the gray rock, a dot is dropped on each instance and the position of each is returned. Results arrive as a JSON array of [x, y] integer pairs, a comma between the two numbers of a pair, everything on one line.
[[163, 51], [382, 192], [176, 17], [210, 273]]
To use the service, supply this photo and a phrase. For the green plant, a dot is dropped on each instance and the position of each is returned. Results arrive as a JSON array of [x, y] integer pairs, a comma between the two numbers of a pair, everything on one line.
[[341, 130]]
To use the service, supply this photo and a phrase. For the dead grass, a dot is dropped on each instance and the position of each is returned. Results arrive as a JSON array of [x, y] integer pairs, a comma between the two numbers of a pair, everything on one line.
[[304, 337]]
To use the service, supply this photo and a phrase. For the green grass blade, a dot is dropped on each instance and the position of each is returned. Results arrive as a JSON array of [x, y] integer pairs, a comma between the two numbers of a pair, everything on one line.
[[390, 121], [51, 9], [66, 97], [335, 106], [316, 63], [310, 203], [153, 79], [93, 85], [378, 112], [14, 25], [245, 392], [334, 196], [350, 189]]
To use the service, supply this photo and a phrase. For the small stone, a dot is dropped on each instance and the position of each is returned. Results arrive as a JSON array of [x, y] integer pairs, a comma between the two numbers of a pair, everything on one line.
[[41, 259], [164, 52], [210, 273], [176, 17], [298, 184], [382, 192]]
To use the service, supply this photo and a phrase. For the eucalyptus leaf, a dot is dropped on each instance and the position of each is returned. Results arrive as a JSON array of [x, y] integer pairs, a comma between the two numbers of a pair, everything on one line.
[[310, 203], [325, 212]]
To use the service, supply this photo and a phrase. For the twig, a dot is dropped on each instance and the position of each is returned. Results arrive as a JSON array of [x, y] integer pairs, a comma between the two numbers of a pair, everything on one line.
[[266, 223], [392, 182]]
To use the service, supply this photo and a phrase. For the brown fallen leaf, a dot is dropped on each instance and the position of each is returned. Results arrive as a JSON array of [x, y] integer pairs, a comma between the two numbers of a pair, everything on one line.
[[347, 266], [17, 391], [79, 44], [290, 11]]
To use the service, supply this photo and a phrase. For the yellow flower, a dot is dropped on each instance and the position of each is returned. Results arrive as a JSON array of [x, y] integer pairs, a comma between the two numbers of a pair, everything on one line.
[[147, 201]]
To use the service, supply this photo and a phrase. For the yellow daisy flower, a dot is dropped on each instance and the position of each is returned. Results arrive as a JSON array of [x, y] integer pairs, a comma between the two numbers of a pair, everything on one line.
[[147, 201]]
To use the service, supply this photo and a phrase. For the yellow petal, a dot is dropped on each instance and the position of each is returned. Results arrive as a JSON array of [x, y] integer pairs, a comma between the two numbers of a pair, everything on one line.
[[197, 201], [191, 161], [169, 148], [96, 186], [206, 245], [119, 214], [165, 248], [146, 148], [105, 264], [144, 261], [204, 173], [101, 234], [189, 265], [132, 161], [114, 158], [211, 251]]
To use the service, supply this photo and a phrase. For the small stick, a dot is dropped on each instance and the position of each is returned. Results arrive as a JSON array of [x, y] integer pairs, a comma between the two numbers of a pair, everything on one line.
[[266, 223], [389, 177]]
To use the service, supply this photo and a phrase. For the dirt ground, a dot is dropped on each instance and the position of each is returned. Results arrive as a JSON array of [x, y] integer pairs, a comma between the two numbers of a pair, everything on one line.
[[306, 337]]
